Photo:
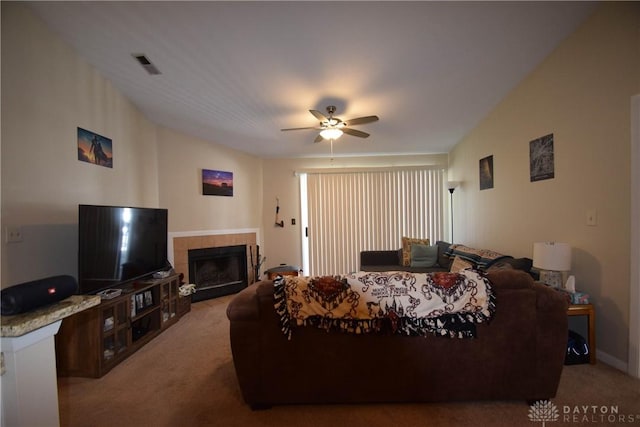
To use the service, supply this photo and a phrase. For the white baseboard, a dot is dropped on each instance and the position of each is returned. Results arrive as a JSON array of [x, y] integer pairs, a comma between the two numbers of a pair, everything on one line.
[[612, 361]]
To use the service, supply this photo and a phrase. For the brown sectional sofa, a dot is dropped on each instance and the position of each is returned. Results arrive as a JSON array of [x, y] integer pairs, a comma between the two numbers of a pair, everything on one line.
[[518, 355]]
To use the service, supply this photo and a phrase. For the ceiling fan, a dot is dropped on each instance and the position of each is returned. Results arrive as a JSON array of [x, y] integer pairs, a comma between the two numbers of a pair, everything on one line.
[[332, 127]]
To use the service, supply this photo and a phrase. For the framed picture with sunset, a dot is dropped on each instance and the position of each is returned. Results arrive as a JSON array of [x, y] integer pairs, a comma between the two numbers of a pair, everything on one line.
[[94, 148], [217, 183]]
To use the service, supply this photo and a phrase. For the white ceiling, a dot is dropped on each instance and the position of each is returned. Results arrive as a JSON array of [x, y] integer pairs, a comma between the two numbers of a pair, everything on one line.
[[235, 73]]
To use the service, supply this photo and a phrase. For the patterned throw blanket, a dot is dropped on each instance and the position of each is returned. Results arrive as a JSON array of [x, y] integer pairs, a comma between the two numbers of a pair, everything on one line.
[[445, 304]]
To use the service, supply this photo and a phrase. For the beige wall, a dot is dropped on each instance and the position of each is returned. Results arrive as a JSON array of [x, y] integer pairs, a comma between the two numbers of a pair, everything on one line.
[[581, 93], [283, 245], [181, 159], [47, 93]]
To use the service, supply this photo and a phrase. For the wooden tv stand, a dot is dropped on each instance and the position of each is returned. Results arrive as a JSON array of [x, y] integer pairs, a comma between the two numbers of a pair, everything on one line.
[[94, 341]]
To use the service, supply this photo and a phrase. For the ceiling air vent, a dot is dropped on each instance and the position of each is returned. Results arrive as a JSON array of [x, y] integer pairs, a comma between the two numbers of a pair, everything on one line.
[[146, 64]]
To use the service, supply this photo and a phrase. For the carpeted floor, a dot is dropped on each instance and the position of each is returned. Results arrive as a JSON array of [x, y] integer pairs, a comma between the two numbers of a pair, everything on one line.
[[185, 377]]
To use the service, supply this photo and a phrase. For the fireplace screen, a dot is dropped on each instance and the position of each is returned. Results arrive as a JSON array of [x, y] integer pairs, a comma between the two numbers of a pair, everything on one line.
[[217, 271]]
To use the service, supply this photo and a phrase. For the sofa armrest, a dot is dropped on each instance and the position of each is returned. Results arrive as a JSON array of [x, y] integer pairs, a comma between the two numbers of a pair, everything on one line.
[[510, 279], [245, 306], [550, 299], [552, 328], [249, 313]]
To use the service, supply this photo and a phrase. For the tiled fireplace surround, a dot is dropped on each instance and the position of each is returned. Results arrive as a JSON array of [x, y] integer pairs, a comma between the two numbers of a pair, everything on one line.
[[182, 244]]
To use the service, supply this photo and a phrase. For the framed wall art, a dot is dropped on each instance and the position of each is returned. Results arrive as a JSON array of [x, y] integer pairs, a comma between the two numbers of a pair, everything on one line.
[[486, 173], [217, 183], [94, 148], [541, 158]]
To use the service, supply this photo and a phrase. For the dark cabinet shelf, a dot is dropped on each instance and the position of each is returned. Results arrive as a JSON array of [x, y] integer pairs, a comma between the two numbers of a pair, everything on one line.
[[92, 342]]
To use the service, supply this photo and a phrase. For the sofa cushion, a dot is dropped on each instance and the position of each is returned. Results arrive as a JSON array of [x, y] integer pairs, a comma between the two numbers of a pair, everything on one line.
[[423, 255], [434, 269], [443, 260], [382, 267], [391, 257], [406, 248]]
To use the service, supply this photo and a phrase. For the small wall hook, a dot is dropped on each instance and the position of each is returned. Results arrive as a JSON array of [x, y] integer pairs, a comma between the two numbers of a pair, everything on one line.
[[279, 223]]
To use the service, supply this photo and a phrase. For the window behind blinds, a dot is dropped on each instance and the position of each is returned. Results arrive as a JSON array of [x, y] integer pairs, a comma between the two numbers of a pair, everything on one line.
[[354, 211]]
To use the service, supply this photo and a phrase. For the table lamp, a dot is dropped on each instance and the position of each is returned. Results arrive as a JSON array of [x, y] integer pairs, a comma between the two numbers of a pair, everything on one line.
[[554, 261]]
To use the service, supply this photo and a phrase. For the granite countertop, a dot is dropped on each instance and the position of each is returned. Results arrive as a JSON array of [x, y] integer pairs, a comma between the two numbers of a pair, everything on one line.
[[20, 324]]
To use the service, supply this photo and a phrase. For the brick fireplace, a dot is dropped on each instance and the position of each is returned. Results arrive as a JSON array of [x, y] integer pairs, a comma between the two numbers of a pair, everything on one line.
[[218, 271], [182, 245]]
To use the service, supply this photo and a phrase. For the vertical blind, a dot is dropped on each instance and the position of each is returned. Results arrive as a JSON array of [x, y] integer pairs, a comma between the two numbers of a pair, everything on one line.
[[354, 211]]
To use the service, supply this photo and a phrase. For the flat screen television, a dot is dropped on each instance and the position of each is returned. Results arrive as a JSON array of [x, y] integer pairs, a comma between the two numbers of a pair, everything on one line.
[[118, 244]]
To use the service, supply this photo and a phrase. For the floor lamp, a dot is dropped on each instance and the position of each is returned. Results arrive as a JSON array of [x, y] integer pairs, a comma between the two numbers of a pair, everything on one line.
[[451, 185]]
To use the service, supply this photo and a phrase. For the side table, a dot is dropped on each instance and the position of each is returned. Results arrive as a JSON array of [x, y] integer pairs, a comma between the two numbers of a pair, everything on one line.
[[282, 270], [589, 311]]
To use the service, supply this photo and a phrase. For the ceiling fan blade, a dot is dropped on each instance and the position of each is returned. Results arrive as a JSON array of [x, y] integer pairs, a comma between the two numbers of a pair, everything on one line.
[[355, 132], [319, 138], [311, 127], [361, 120], [318, 115]]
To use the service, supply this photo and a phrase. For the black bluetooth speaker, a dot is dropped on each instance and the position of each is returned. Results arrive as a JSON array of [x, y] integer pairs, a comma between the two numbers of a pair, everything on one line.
[[31, 295]]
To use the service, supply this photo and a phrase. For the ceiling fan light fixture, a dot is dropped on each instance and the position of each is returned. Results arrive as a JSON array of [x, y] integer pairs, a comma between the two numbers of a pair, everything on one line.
[[332, 128], [331, 133]]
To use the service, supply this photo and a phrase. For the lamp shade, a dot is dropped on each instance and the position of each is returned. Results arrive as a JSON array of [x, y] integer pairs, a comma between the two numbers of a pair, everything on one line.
[[552, 256]]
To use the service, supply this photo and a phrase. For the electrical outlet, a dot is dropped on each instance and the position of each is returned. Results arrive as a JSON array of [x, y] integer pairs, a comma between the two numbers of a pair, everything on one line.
[[13, 234], [592, 217], [293, 221]]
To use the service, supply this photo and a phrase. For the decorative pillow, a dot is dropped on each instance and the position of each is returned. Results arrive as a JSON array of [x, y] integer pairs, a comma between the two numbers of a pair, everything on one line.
[[443, 260], [459, 264], [423, 255], [488, 258], [482, 258], [468, 254], [406, 248]]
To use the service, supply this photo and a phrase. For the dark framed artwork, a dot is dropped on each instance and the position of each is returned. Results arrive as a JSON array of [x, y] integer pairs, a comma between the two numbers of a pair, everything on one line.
[[217, 183], [94, 148], [486, 173], [541, 158]]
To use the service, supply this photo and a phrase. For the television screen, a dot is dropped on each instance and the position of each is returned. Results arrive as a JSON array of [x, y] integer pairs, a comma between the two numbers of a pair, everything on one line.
[[118, 244]]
